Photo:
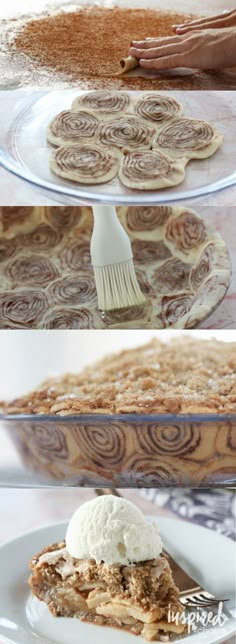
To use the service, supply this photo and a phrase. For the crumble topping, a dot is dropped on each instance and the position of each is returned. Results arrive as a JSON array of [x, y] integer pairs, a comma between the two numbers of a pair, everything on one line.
[[187, 375], [145, 584]]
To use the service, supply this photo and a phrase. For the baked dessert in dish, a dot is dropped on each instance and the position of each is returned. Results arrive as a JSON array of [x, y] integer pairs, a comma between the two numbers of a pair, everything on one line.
[[186, 390], [186, 375], [110, 571]]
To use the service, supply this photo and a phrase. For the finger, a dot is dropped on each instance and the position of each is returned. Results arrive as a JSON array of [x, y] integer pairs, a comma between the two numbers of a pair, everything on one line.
[[166, 62], [153, 42], [203, 21], [208, 25], [187, 24], [156, 52]]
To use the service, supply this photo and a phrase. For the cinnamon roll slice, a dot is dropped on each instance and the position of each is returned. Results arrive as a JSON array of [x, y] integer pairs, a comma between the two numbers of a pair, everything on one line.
[[68, 319], [88, 164], [8, 248], [72, 127], [65, 217], [150, 170], [158, 108], [186, 231], [104, 103], [175, 307], [147, 251], [73, 290], [125, 133], [13, 218], [22, 308], [192, 138], [42, 238], [146, 218], [32, 270], [172, 275], [76, 255]]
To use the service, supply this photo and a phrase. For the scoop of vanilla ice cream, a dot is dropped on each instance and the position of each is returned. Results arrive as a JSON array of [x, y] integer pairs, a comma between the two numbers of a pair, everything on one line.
[[113, 530]]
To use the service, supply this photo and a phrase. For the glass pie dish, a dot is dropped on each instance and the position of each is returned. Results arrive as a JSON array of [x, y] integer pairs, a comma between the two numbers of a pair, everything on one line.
[[122, 450], [25, 153], [182, 265]]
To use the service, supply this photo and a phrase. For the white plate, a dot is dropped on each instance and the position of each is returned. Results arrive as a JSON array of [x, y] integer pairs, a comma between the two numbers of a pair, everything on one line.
[[205, 554], [24, 132]]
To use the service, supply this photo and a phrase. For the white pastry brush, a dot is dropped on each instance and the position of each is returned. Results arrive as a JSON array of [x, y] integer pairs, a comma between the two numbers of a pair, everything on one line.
[[112, 260]]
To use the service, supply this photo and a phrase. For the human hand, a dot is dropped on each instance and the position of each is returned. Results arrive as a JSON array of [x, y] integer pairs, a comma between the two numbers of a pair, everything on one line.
[[210, 49], [222, 20]]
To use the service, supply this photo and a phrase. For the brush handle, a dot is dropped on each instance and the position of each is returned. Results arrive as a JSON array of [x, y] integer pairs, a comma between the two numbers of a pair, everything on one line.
[[110, 243]]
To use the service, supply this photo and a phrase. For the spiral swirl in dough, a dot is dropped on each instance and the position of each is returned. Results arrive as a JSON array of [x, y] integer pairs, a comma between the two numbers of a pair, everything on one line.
[[74, 290], [35, 270], [42, 238], [22, 309], [158, 108], [142, 218], [226, 439], [103, 445], [203, 268], [176, 440], [125, 133], [171, 276], [76, 255], [8, 248], [147, 251], [87, 164], [64, 217], [69, 319], [174, 307], [188, 137], [72, 127], [103, 102], [150, 170], [186, 231], [48, 440], [151, 471]]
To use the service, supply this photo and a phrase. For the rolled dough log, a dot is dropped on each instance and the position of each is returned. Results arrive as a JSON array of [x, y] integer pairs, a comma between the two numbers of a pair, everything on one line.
[[128, 63]]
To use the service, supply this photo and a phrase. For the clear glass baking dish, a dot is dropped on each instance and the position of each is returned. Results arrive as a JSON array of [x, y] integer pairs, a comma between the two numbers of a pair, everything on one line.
[[24, 151], [128, 450]]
